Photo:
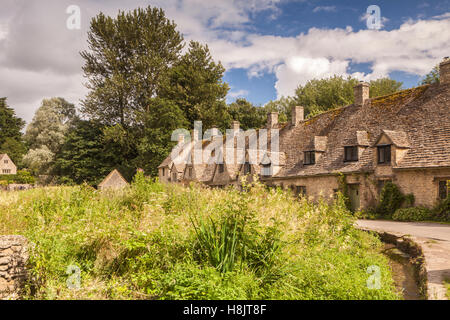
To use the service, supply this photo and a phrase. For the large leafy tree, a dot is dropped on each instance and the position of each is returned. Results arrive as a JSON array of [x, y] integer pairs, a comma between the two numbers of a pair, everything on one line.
[[11, 141], [45, 134], [128, 58], [321, 95], [84, 156], [249, 116], [195, 84]]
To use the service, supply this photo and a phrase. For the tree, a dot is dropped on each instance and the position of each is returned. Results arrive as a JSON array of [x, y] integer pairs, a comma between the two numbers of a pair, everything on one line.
[[195, 84], [46, 133], [383, 87], [283, 106], [128, 58], [321, 95], [84, 157], [10, 133], [248, 115], [432, 77]]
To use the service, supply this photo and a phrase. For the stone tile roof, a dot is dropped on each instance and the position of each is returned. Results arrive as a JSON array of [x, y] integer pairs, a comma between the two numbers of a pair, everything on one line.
[[417, 118]]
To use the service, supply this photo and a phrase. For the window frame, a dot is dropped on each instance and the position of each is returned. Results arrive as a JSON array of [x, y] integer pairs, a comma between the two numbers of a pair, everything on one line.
[[386, 155], [311, 159], [247, 168], [443, 188], [354, 156]]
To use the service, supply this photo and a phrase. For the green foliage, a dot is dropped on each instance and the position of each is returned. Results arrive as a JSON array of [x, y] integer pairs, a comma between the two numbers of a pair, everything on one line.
[[10, 133], [432, 77], [442, 210], [22, 177], [391, 199], [343, 189], [412, 214], [319, 95], [248, 115], [45, 134], [146, 242]]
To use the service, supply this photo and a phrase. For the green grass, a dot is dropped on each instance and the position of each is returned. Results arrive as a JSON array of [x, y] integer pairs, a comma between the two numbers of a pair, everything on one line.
[[447, 285], [155, 241]]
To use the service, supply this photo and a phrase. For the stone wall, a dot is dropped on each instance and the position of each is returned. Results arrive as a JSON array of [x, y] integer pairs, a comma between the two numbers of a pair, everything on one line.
[[13, 261]]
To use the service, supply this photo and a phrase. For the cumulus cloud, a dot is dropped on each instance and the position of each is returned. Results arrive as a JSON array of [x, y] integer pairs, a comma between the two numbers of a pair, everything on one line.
[[39, 56]]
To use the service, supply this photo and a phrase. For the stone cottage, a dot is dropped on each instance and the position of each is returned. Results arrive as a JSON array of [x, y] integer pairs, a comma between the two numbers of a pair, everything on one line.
[[114, 180], [403, 137], [7, 166]]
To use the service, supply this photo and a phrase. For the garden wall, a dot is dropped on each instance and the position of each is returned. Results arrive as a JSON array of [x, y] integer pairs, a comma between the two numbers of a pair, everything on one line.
[[13, 261]]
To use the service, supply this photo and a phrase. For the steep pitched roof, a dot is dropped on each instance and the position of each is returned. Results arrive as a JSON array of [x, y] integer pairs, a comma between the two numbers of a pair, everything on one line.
[[113, 179], [418, 118]]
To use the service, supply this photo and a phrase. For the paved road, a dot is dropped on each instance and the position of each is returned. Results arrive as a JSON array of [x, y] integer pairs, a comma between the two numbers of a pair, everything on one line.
[[435, 241]]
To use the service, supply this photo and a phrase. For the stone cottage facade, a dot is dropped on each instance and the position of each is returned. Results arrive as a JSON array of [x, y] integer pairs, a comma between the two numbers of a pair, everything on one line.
[[7, 166], [403, 138]]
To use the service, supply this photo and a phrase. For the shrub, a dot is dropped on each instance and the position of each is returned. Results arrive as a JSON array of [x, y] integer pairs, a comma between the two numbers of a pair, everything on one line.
[[391, 199], [442, 210], [412, 214]]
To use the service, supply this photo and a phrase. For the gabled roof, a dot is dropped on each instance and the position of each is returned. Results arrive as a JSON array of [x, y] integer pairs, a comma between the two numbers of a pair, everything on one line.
[[418, 118], [398, 138], [115, 174]]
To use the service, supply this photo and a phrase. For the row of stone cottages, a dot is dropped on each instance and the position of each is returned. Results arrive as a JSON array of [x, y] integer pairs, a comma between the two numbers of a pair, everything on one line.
[[403, 138]]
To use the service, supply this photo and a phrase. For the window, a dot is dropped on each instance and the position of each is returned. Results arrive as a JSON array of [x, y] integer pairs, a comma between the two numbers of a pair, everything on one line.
[[6, 171], [163, 172], [247, 168], [444, 189], [310, 157], [300, 190], [190, 172], [174, 176], [384, 154], [350, 154], [5, 161], [266, 169], [221, 168]]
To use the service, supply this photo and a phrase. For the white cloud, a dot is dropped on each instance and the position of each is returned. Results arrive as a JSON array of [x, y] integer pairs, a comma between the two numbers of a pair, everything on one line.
[[324, 8], [238, 94], [40, 58]]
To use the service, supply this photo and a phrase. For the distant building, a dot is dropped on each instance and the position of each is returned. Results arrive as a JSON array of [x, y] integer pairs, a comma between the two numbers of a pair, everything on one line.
[[403, 137], [6, 165], [114, 180]]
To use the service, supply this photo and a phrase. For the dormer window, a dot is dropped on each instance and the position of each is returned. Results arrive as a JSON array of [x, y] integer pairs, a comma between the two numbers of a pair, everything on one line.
[[266, 169], [350, 154], [309, 157], [384, 154], [247, 168]]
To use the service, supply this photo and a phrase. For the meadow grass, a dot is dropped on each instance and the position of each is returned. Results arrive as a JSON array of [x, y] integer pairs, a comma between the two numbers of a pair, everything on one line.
[[156, 241]]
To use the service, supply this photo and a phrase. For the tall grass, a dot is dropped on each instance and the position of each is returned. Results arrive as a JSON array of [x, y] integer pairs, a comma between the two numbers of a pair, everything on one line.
[[155, 241]]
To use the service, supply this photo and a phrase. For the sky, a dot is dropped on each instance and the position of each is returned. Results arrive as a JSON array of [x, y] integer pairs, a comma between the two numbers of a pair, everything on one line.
[[268, 47]]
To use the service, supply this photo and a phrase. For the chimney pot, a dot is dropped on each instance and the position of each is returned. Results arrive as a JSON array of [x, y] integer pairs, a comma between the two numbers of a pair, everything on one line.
[[298, 115], [361, 92], [272, 119], [444, 71]]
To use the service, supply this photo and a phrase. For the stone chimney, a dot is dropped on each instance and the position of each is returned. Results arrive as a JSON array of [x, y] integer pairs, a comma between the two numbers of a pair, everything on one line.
[[181, 139], [444, 71], [272, 119], [361, 91], [298, 115], [235, 126]]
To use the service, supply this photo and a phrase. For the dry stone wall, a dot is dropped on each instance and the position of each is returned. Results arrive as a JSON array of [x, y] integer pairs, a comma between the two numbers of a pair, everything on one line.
[[13, 261]]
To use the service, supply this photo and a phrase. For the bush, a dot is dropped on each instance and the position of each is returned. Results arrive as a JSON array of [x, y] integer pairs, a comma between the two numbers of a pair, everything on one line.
[[391, 199], [442, 210], [412, 214], [22, 177]]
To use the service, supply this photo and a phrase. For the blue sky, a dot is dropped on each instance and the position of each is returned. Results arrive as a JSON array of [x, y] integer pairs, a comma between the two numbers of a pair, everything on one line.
[[298, 17], [268, 47]]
